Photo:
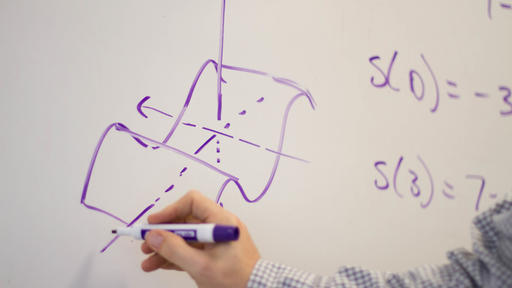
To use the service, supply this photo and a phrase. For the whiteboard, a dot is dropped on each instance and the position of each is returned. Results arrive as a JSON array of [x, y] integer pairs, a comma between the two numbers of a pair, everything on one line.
[[363, 133]]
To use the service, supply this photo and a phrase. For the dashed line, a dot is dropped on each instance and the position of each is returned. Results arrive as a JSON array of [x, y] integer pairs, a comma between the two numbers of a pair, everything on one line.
[[183, 171], [250, 143], [189, 124], [214, 131]]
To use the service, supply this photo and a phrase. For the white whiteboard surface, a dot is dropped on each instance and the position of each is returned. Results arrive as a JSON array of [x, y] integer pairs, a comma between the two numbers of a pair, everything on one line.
[[68, 69]]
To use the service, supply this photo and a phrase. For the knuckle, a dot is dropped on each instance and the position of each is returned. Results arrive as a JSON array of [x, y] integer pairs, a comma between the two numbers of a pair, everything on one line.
[[236, 221], [193, 194]]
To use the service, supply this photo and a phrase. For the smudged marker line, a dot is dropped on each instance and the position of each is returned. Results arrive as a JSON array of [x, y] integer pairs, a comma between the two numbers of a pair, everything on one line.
[[453, 96], [217, 132], [204, 144], [260, 100], [170, 188], [189, 124], [506, 5]]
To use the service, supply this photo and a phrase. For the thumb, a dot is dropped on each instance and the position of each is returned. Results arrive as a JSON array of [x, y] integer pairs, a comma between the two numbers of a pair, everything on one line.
[[174, 249]]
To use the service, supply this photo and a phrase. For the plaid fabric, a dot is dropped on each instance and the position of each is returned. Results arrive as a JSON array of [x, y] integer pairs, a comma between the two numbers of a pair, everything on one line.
[[489, 265]]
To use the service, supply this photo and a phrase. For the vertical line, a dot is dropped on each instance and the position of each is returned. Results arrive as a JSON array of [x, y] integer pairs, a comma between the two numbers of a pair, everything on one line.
[[219, 65]]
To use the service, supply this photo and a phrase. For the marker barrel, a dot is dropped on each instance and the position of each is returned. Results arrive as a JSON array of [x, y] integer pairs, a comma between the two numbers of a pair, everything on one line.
[[204, 233]]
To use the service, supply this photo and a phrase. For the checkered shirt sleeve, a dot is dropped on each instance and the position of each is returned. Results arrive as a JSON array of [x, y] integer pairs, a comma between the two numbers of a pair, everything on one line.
[[489, 265]]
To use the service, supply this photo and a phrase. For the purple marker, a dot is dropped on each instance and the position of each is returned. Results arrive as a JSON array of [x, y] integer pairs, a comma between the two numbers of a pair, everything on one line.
[[204, 233]]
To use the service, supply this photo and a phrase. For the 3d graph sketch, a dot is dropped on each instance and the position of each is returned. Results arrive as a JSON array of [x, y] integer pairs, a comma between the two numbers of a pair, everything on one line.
[[213, 135]]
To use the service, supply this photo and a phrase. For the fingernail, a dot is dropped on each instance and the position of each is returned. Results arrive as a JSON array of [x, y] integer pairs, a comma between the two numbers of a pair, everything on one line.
[[154, 240]]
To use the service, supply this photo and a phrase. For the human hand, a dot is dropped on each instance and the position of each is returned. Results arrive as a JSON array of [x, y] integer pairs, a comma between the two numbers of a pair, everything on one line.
[[226, 264]]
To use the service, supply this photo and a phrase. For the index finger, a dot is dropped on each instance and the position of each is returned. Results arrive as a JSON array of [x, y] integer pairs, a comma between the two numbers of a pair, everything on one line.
[[192, 204]]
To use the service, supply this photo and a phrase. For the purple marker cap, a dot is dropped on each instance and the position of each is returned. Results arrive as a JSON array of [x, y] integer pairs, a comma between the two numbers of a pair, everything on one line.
[[225, 233]]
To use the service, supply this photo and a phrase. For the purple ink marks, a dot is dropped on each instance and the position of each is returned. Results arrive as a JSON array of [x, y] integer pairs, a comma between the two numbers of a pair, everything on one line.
[[416, 83], [218, 152], [141, 214], [157, 199], [425, 205], [414, 182], [221, 204], [436, 105], [128, 225], [221, 52], [446, 194], [248, 142], [507, 99], [386, 76], [243, 112], [122, 127], [139, 106], [189, 124], [217, 132], [227, 126], [204, 144], [230, 178], [451, 83], [303, 93], [141, 142], [395, 176], [260, 100], [183, 171], [159, 111], [155, 147], [109, 243], [169, 189], [89, 174], [493, 196], [506, 5], [481, 95], [480, 192], [415, 189], [385, 186], [286, 155], [175, 150], [412, 75]]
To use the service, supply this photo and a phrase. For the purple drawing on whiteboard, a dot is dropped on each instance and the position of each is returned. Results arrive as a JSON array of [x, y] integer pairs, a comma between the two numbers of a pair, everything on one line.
[[505, 5], [213, 165]]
